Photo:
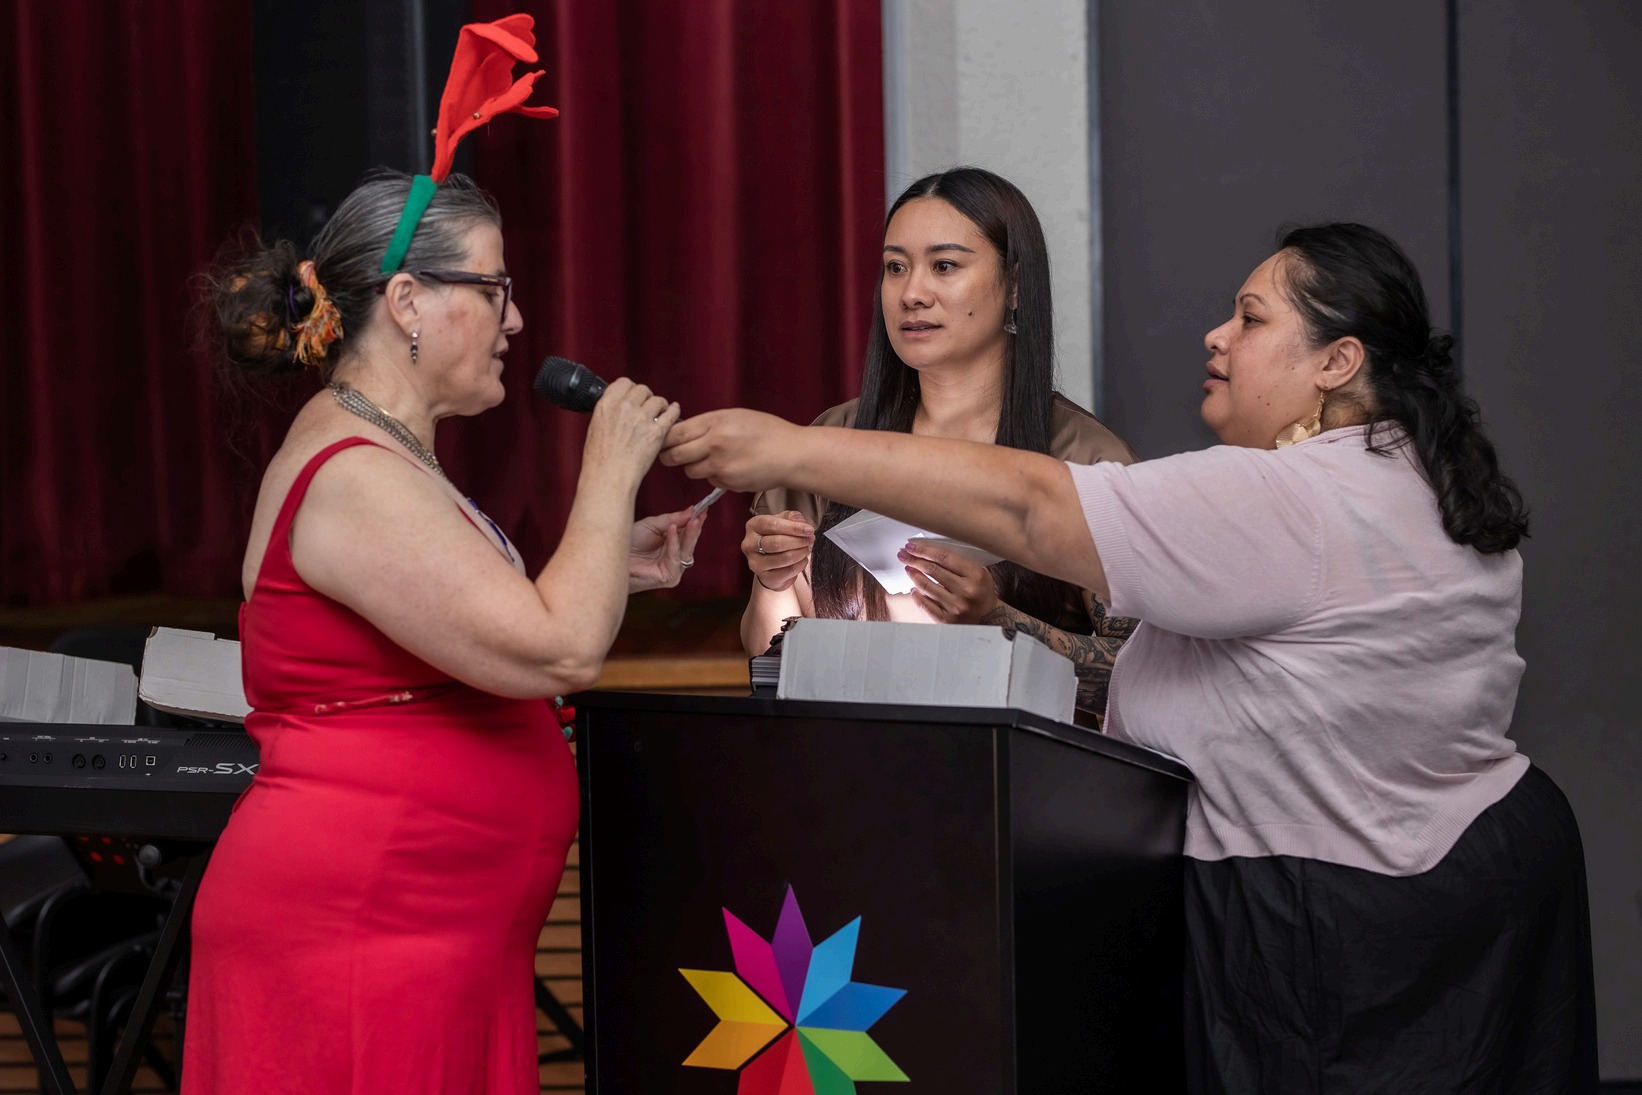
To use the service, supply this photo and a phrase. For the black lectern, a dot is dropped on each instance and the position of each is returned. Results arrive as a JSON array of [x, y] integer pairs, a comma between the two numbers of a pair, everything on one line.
[[781, 898]]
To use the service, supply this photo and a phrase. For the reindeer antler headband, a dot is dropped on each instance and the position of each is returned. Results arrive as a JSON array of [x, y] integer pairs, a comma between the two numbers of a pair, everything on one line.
[[480, 87]]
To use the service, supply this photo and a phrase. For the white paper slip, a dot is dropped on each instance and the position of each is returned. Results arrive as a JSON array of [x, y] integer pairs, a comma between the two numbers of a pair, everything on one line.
[[39, 687], [873, 540]]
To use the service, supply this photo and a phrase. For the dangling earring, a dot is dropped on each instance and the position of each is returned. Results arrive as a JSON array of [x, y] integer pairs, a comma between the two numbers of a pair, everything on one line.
[[1010, 328], [1306, 428], [414, 336]]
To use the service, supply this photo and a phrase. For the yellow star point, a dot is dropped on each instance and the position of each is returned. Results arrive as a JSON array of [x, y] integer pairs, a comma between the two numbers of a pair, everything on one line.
[[746, 1023]]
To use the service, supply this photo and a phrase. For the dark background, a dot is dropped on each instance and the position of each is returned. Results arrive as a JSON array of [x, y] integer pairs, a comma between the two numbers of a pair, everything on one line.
[[1220, 122], [350, 85]]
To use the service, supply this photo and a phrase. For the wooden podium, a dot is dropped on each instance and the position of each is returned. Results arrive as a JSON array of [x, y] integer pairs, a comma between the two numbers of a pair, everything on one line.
[[932, 899]]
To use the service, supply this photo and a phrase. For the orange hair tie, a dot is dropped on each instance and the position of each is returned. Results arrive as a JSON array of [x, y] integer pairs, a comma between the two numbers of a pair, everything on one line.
[[323, 324]]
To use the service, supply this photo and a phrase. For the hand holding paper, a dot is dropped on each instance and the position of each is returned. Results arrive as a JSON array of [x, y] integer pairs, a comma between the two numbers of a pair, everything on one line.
[[948, 586], [875, 542]]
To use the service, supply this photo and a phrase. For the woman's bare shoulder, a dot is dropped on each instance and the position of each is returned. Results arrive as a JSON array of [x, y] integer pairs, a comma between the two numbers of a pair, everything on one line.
[[319, 424]]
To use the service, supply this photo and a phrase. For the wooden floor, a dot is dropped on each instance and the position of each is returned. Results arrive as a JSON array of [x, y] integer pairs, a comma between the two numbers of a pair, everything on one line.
[[559, 964], [17, 1073]]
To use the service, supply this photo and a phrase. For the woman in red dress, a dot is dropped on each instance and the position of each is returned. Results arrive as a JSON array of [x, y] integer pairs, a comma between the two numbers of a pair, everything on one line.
[[368, 922]]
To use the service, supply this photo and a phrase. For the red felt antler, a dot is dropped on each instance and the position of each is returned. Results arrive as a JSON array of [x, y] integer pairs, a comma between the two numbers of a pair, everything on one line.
[[481, 83]]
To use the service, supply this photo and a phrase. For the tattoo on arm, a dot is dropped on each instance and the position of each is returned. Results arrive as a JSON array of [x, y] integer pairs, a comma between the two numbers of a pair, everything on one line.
[[1091, 655], [1113, 627]]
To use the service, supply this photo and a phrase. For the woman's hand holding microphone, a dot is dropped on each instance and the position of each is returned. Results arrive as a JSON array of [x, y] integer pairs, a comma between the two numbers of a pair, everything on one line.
[[629, 425]]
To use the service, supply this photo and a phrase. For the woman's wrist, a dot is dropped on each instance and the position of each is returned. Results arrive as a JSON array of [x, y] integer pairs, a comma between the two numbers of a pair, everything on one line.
[[1004, 616], [604, 482]]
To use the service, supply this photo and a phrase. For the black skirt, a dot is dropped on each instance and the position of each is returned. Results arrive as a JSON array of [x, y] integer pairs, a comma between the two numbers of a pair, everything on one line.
[[1473, 977]]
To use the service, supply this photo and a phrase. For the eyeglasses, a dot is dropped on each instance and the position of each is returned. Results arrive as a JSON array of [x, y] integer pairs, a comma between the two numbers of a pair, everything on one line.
[[464, 277]]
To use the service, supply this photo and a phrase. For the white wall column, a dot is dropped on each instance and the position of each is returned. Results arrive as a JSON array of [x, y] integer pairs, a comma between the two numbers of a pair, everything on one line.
[[1003, 84]]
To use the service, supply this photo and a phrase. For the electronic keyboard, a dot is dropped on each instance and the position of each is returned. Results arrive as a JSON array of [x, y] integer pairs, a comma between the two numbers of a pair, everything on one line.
[[134, 781]]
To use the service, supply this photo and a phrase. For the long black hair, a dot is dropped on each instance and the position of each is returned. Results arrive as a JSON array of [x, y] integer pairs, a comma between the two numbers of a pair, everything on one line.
[[890, 391], [1349, 280]]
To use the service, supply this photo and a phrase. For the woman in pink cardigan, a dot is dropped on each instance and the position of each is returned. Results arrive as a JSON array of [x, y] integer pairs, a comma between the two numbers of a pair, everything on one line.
[[1382, 893]]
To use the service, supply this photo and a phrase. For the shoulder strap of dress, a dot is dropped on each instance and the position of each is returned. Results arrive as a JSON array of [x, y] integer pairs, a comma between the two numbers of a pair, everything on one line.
[[299, 487]]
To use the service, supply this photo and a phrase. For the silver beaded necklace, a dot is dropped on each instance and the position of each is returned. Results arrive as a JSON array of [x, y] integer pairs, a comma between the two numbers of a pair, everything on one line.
[[356, 403]]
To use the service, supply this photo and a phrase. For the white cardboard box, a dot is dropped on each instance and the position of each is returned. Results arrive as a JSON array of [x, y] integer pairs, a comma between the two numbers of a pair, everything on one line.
[[193, 673], [36, 686], [943, 665]]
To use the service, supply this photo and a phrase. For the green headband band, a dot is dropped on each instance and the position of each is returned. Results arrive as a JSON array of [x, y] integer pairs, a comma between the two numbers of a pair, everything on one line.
[[421, 193]]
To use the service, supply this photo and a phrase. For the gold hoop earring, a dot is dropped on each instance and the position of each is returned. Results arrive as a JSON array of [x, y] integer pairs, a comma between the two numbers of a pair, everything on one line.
[[1305, 429]]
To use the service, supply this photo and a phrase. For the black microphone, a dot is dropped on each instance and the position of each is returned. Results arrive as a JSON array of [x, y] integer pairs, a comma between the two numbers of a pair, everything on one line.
[[571, 386]]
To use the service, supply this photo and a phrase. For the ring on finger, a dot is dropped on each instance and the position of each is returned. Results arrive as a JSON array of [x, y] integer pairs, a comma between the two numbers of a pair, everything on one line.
[[686, 563], [760, 546]]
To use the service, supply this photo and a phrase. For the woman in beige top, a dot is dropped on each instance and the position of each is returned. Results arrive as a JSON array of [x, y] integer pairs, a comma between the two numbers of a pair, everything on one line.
[[962, 347]]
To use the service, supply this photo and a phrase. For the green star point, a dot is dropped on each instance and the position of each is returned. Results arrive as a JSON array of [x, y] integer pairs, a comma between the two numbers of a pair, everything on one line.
[[854, 1053]]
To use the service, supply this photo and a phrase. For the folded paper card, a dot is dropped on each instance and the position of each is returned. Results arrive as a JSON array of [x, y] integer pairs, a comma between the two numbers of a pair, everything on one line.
[[943, 665], [193, 673], [873, 540], [39, 687]]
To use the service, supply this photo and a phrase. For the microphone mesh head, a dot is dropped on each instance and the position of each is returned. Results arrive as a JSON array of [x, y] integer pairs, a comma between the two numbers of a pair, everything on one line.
[[567, 384]]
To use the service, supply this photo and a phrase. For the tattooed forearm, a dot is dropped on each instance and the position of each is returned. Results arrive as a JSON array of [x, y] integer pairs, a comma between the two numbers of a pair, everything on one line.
[[1112, 627], [1091, 655]]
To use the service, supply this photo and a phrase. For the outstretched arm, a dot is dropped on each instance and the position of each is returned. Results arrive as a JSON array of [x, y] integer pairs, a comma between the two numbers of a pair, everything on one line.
[[1020, 505]]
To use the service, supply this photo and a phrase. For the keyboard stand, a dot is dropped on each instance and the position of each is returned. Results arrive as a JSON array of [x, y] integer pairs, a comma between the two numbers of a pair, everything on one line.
[[36, 1021]]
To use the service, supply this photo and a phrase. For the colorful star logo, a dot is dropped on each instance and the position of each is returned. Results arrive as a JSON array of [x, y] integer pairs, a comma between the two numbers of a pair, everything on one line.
[[801, 993]]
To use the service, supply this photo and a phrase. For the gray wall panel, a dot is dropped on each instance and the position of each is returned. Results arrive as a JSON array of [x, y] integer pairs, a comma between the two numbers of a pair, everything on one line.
[[1552, 201], [1219, 123]]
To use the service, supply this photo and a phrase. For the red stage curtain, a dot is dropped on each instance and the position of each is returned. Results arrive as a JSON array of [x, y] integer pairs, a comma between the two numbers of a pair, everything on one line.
[[704, 217], [128, 155]]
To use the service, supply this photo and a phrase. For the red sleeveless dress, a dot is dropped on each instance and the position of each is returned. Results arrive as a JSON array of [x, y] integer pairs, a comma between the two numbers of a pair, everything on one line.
[[368, 922]]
